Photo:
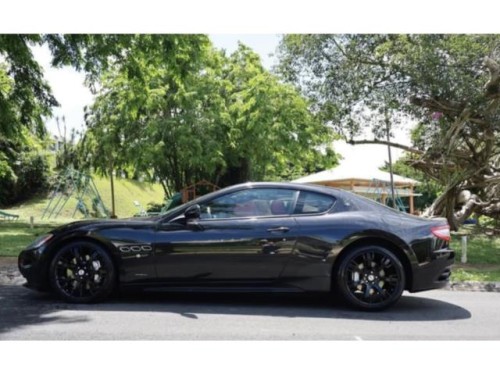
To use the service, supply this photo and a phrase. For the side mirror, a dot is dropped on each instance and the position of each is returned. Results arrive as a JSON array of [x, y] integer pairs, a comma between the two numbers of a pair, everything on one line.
[[193, 212]]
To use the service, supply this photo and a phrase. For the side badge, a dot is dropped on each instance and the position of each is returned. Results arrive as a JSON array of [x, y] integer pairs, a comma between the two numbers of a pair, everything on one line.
[[135, 248]]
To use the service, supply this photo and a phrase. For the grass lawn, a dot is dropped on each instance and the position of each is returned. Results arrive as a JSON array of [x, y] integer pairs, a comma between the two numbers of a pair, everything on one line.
[[483, 255], [15, 236], [126, 192]]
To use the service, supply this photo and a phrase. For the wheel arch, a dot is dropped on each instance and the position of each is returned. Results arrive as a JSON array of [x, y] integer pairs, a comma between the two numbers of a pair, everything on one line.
[[52, 250], [392, 245]]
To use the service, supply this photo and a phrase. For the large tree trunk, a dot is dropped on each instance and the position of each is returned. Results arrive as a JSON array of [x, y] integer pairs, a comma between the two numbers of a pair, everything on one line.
[[446, 205], [236, 174]]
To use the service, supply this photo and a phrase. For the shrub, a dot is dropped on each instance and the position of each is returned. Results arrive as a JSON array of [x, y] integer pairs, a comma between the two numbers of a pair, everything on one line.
[[23, 177]]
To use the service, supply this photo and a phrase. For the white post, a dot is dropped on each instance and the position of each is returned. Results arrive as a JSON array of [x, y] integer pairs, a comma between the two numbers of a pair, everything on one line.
[[464, 249], [32, 222]]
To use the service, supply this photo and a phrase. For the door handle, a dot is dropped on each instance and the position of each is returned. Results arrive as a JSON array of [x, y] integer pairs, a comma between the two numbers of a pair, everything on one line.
[[279, 229]]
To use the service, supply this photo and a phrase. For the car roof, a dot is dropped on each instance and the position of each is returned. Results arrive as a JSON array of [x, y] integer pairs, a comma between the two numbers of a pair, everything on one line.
[[285, 185]]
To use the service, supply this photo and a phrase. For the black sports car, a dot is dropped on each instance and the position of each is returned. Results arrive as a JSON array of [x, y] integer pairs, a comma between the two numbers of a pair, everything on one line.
[[275, 237]]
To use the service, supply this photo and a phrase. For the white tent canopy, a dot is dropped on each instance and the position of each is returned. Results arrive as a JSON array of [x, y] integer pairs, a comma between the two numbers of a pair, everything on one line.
[[349, 173], [365, 180]]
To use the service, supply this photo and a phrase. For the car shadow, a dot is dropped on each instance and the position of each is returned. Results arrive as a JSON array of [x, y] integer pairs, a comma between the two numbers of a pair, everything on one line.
[[409, 308], [22, 307]]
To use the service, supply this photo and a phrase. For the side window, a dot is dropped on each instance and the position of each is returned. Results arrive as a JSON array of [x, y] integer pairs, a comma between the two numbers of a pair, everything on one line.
[[313, 203], [250, 203]]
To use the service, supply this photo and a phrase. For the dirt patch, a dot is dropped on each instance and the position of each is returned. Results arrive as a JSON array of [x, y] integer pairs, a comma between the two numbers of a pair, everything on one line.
[[9, 273], [7, 261]]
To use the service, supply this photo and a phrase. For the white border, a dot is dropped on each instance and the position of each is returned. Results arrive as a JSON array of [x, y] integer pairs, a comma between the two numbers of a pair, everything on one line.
[[242, 358], [256, 16]]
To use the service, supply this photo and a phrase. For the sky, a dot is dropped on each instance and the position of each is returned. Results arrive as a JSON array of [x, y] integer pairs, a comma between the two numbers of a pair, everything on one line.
[[69, 89]]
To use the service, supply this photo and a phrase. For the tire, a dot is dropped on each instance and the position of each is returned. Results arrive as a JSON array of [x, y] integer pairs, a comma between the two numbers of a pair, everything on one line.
[[370, 278], [82, 272]]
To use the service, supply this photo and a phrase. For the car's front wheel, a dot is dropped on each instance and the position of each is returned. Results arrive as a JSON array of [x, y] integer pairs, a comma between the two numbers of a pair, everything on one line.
[[82, 272], [370, 278]]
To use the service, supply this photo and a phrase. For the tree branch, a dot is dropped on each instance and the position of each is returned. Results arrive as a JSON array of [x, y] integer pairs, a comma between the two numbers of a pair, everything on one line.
[[357, 59], [440, 105], [381, 142]]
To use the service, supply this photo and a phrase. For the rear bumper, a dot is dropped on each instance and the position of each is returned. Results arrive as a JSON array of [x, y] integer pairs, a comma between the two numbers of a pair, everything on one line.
[[434, 274]]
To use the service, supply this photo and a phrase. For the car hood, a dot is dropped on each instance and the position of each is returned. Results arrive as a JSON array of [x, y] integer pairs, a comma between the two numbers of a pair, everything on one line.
[[105, 223]]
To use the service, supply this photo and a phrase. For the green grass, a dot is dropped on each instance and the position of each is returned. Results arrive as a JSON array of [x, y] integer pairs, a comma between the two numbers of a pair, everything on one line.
[[15, 236], [464, 273], [481, 248], [483, 255], [126, 192]]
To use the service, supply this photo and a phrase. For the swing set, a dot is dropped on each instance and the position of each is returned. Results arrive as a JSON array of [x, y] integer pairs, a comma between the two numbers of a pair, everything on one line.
[[80, 185]]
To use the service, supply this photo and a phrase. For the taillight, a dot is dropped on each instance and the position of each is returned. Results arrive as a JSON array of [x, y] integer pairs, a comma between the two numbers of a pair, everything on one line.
[[442, 232]]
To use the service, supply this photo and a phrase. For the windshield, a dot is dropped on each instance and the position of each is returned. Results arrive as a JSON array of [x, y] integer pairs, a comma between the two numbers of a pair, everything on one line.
[[183, 206]]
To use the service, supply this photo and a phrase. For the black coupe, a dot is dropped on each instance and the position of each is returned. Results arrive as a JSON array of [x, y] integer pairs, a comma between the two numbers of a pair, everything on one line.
[[272, 237]]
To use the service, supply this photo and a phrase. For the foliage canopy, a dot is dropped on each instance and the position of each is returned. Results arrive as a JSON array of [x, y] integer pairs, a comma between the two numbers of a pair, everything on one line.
[[224, 119]]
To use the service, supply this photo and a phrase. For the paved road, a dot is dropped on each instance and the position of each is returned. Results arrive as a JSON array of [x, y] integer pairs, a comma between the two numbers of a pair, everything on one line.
[[434, 315]]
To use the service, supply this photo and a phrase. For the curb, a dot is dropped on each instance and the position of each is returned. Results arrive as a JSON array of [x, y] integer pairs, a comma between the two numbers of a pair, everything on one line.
[[474, 286]]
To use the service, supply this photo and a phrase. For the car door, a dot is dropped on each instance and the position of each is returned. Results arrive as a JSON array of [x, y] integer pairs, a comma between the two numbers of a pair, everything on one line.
[[244, 236], [317, 236]]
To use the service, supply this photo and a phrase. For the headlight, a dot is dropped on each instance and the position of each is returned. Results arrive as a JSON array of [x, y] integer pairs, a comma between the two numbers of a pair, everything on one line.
[[39, 241]]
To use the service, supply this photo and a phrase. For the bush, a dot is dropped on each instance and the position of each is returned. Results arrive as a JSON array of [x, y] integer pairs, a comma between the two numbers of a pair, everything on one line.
[[24, 177]]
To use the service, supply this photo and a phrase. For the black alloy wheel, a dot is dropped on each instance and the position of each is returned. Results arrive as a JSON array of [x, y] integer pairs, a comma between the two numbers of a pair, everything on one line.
[[371, 278], [82, 272]]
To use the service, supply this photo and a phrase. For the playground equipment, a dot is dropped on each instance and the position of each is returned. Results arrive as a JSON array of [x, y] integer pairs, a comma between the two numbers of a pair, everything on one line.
[[74, 183], [381, 190], [7, 216], [142, 211]]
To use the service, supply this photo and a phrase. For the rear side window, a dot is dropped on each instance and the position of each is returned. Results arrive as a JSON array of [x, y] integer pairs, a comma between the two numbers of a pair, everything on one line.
[[313, 203]]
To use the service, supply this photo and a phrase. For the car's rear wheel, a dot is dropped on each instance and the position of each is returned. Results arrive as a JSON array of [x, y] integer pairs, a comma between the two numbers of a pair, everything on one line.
[[82, 272], [370, 278]]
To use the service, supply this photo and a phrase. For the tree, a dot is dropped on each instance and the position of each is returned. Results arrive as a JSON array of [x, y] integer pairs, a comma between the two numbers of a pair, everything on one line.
[[24, 168], [23, 165], [25, 96], [269, 131], [136, 118], [447, 84], [222, 119]]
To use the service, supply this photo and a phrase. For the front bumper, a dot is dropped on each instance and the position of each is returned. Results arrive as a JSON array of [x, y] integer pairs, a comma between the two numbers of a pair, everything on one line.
[[32, 267], [434, 274]]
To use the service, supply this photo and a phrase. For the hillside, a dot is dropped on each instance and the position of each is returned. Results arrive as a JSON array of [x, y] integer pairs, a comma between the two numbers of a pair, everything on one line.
[[126, 192]]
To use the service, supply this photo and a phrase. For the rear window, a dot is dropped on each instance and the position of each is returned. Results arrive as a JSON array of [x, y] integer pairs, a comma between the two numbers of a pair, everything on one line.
[[357, 202], [313, 203]]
